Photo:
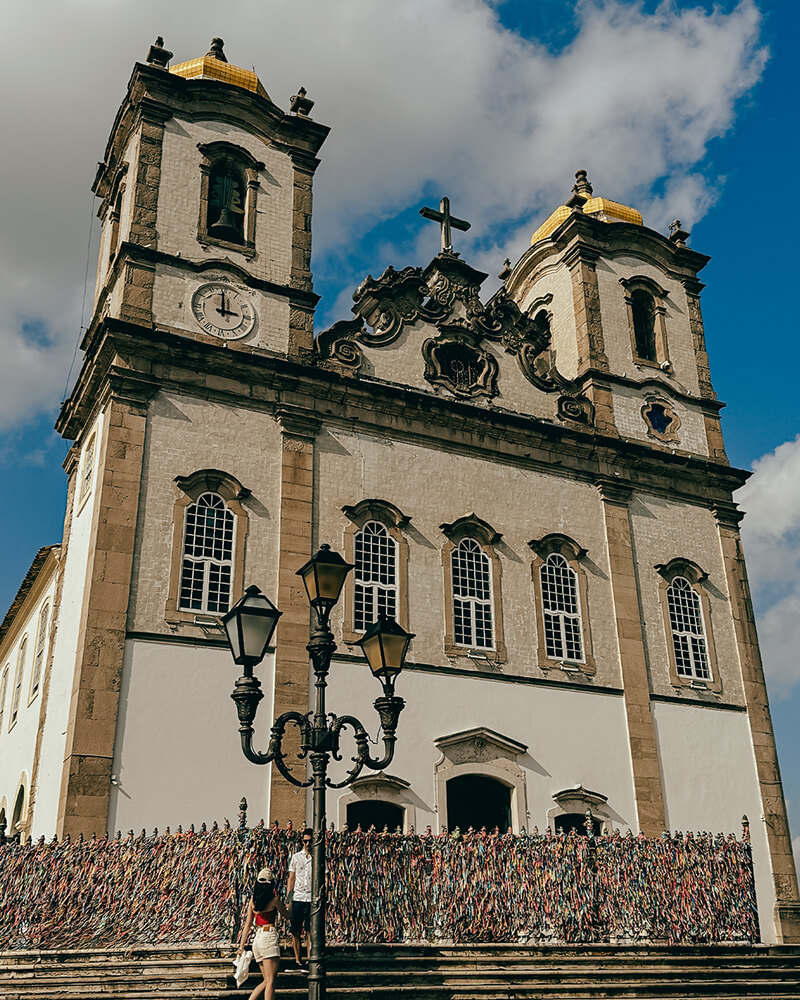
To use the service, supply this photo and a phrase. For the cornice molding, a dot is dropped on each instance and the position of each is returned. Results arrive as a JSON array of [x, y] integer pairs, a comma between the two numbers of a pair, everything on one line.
[[297, 422], [614, 491]]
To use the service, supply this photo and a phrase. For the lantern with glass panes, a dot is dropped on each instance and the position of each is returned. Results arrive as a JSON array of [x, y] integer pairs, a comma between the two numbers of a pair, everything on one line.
[[249, 626]]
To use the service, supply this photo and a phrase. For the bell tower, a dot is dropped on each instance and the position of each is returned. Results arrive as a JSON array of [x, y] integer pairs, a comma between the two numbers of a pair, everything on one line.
[[179, 486], [205, 192]]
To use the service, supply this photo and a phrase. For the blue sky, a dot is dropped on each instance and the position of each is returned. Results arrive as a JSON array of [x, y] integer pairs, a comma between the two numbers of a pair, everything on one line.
[[682, 109]]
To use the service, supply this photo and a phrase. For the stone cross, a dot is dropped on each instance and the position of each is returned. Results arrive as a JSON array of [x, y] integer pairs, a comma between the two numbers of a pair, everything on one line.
[[447, 222]]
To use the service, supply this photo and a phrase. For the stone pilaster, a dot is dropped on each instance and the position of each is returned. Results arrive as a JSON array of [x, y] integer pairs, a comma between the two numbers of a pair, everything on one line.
[[291, 658], [89, 752], [582, 263], [784, 876], [693, 288], [635, 681], [301, 315]]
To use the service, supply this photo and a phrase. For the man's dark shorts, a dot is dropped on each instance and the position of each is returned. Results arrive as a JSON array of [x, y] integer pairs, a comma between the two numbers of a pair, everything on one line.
[[300, 917]]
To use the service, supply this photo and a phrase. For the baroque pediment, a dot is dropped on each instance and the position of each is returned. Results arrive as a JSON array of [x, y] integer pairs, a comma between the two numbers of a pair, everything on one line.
[[445, 293]]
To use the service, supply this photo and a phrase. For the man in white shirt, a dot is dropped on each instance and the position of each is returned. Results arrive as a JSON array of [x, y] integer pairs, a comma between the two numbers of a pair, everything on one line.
[[299, 883]]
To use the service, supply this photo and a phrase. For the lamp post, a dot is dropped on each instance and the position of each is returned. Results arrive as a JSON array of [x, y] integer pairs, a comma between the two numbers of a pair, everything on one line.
[[249, 625]]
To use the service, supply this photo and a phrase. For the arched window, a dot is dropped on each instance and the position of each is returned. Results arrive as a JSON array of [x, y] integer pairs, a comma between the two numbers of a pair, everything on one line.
[[17, 693], [375, 542], [208, 546], [3, 693], [473, 604], [647, 312], [472, 596], [16, 816], [226, 202], [228, 190], [561, 604], [375, 583], [687, 623], [688, 631], [207, 570], [644, 324], [561, 609], [38, 659]]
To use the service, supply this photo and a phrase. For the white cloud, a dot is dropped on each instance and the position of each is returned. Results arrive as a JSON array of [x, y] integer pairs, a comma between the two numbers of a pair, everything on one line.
[[771, 538], [424, 96]]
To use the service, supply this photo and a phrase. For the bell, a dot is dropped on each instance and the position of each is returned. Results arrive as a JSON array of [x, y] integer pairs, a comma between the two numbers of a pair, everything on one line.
[[226, 227]]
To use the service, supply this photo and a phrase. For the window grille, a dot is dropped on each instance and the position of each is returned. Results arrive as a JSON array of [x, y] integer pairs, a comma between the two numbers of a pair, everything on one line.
[[38, 659], [3, 693], [207, 566], [561, 609], [375, 591], [688, 632], [88, 468], [472, 596], [15, 699]]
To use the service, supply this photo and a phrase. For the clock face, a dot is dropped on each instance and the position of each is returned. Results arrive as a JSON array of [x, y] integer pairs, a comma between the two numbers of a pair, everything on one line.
[[223, 311]]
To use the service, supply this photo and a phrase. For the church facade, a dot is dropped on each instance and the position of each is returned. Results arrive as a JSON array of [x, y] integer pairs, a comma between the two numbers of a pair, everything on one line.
[[533, 482]]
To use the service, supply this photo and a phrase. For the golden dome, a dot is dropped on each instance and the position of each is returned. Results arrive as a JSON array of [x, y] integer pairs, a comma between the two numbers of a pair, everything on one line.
[[214, 66], [601, 208]]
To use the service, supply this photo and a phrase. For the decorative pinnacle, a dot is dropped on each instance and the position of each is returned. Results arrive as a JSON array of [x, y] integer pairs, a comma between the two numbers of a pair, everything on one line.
[[158, 55], [582, 185], [677, 234], [215, 52], [506, 272], [299, 104]]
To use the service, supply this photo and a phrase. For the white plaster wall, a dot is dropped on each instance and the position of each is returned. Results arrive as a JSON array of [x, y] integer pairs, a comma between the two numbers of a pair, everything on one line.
[[433, 486], [662, 531], [186, 434], [573, 737], [179, 198], [66, 643], [172, 305], [18, 742], [628, 403], [709, 779], [177, 758]]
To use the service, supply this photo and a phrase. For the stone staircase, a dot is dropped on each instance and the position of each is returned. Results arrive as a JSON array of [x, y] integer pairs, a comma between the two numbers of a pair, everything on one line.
[[463, 972]]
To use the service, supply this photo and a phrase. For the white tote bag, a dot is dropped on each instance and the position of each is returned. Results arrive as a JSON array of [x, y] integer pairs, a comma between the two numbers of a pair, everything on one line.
[[241, 967]]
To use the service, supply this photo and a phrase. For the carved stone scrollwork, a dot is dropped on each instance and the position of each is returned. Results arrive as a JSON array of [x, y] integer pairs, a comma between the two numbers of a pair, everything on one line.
[[392, 301], [575, 408], [337, 346], [455, 362]]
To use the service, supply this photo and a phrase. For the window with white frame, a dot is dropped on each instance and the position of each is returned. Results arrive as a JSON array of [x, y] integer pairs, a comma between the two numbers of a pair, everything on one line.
[[375, 590], [207, 562], [472, 596], [561, 609], [88, 468], [688, 630], [38, 659], [17, 693], [3, 693]]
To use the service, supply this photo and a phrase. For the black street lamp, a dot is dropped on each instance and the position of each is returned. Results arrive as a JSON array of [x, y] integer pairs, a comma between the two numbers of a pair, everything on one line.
[[249, 625]]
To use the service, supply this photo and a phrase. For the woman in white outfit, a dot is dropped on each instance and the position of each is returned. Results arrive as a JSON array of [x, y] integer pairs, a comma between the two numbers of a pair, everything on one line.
[[263, 909]]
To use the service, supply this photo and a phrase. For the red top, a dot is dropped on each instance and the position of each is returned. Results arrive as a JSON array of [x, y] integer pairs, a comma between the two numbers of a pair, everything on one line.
[[266, 919]]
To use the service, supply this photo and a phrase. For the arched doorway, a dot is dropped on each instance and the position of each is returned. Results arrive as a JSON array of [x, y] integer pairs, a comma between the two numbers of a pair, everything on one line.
[[473, 800], [567, 822], [372, 812]]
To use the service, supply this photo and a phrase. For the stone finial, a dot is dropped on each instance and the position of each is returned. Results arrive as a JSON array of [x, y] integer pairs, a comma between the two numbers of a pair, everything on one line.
[[158, 55], [299, 104], [506, 272], [677, 234], [215, 52], [243, 813], [582, 185]]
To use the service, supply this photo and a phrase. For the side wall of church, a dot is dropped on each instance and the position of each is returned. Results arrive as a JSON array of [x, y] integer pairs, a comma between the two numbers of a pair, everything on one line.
[[51, 755], [18, 736]]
